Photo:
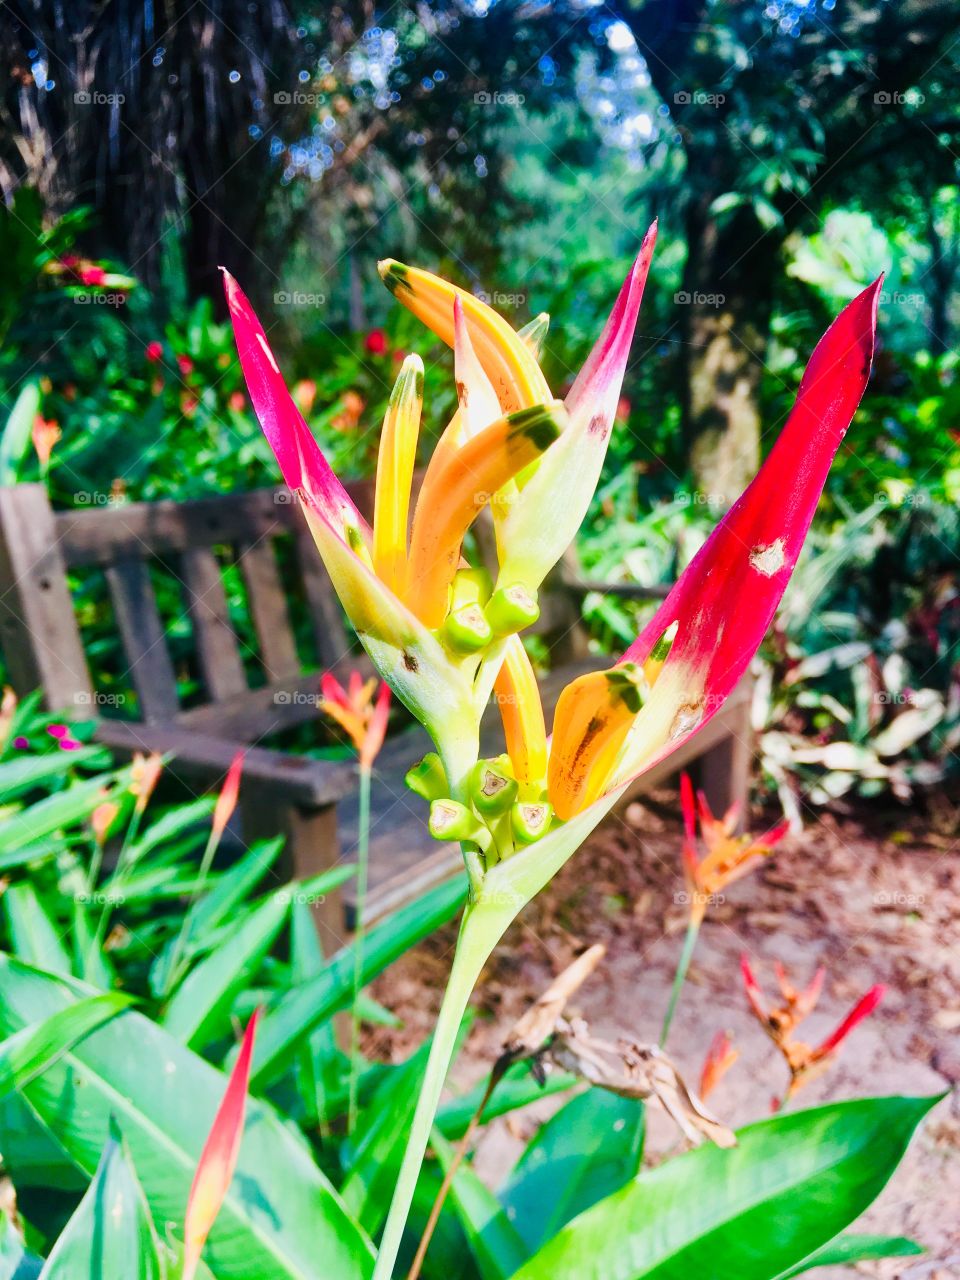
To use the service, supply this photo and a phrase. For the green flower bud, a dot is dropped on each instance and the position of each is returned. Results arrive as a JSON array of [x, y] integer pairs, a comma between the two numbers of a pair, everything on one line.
[[450, 820], [531, 821], [492, 787], [511, 609], [466, 630], [427, 779], [470, 586]]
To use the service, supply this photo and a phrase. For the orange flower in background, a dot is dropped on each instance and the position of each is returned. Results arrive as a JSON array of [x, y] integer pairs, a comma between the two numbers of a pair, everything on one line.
[[146, 775], [102, 819], [44, 436], [728, 856], [349, 416], [227, 799], [218, 1160], [720, 1058], [363, 720], [780, 1022], [304, 395]]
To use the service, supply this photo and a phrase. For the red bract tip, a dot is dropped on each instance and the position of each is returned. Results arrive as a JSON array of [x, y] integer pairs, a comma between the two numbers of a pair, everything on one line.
[[752, 988], [376, 728], [218, 1158], [862, 1009], [229, 794]]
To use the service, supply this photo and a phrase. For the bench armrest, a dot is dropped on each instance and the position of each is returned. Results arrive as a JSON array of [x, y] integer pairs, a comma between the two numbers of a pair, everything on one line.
[[297, 779], [625, 590]]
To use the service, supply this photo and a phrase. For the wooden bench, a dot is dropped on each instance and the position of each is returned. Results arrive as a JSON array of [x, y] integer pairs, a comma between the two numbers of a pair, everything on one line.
[[202, 680]]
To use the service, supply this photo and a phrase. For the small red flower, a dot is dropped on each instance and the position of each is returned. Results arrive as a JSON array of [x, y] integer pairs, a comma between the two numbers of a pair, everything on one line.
[[376, 342], [154, 351], [186, 365], [237, 402]]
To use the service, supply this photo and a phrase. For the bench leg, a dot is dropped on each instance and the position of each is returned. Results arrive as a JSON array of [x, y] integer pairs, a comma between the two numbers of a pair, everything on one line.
[[724, 770]]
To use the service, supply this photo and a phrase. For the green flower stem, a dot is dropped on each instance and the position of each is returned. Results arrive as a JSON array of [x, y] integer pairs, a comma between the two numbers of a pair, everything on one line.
[[186, 928], [363, 857], [686, 955], [479, 934]]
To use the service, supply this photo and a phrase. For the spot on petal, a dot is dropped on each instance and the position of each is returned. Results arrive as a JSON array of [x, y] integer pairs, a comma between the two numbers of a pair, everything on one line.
[[686, 720], [768, 560]]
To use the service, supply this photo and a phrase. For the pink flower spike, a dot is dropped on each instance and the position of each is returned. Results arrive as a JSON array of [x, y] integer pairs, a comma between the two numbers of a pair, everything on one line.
[[57, 730], [689, 849], [227, 799], [862, 1009], [726, 598], [218, 1158], [299, 456], [752, 987], [333, 691]]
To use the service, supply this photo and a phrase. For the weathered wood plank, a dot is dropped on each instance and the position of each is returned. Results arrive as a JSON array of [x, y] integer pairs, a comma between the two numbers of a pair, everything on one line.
[[40, 635], [144, 640], [217, 649], [268, 609]]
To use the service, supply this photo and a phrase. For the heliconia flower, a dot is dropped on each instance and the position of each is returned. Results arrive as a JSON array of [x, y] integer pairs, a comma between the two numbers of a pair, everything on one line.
[[153, 351], [218, 1159], [145, 776], [363, 720], [44, 435], [720, 1058], [728, 856], [227, 799], [375, 342], [781, 1021]]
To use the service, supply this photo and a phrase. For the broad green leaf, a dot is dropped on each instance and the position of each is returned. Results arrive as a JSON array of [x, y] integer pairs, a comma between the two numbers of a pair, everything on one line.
[[33, 934], [307, 1006], [21, 835], [110, 1236], [90, 962], [281, 1219], [29, 1051], [225, 895], [23, 773], [200, 1009], [173, 823], [853, 1248], [374, 1154], [16, 435], [587, 1150], [791, 1184], [493, 1239]]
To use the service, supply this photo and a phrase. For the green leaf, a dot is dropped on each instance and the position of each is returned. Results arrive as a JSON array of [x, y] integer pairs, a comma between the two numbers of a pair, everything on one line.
[[21, 834], [378, 1142], [492, 1237], [25, 772], [15, 440], [853, 1248], [29, 1051], [587, 1150], [319, 1060], [200, 1009], [281, 1219], [110, 1236], [792, 1183], [33, 934], [306, 1006]]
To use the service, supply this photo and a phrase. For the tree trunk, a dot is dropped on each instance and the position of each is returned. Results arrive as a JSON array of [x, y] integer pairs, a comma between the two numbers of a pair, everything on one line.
[[727, 299]]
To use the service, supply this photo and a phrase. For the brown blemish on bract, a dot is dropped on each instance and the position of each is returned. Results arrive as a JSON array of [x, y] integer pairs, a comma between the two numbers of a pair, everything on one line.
[[597, 426], [686, 720], [410, 662], [768, 560]]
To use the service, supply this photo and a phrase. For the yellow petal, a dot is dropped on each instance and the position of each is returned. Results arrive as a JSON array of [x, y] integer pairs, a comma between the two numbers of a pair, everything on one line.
[[506, 358], [522, 713], [593, 717], [395, 464]]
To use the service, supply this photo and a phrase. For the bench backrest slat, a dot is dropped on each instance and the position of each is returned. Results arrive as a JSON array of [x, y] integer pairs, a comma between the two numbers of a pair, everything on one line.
[[217, 649], [268, 610], [144, 638]]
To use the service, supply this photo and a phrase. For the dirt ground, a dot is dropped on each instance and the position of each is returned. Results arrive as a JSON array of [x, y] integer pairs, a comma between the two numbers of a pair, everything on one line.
[[872, 895]]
